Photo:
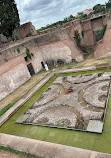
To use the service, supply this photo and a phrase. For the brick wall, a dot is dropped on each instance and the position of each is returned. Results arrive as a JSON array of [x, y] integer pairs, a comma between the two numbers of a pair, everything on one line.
[[88, 38], [24, 29], [103, 48]]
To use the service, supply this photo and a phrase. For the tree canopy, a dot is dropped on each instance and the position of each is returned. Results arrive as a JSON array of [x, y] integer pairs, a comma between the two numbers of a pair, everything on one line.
[[99, 8], [9, 17], [108, 5]]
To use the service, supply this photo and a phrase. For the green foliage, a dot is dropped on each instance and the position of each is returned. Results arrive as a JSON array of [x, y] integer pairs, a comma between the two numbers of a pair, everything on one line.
[[99, 8], [6, 108], [14, 38], [9, 17], [77, 37], [5, 59], [100, 33], [18, 50], [29, 55], [38, 32], [32, 54], [108, 5], [29, 34], [58, 23]]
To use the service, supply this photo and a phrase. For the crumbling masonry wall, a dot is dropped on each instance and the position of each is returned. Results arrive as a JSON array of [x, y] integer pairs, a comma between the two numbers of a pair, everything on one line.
[[53, 46], [57, 45], [103, 48], [24, 29]]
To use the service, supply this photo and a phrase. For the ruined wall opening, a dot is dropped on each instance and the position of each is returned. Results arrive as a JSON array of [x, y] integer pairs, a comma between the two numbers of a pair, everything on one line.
[[42, 63], [31, 69]]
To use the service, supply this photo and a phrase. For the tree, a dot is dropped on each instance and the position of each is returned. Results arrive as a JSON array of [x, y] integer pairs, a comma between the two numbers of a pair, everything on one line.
[[108, 5], [9, 17], [99, 8], [71, 16]]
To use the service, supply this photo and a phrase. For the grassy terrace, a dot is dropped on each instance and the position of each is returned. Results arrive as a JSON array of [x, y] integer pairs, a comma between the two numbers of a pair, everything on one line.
[[85, 140]]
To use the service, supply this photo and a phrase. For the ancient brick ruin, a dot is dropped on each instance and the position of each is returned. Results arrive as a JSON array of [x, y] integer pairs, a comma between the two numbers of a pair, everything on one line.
[[53, 46], [25, 29]]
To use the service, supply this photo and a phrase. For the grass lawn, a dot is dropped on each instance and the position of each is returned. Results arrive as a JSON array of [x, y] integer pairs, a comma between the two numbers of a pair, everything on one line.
[[85, 140]]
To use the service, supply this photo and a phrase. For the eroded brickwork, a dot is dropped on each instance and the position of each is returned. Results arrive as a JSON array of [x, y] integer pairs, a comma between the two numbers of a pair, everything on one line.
[[24, 29], [103, 48]]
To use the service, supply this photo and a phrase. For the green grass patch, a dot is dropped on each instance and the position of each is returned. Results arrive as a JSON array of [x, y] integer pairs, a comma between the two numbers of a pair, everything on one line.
[[7, 108]]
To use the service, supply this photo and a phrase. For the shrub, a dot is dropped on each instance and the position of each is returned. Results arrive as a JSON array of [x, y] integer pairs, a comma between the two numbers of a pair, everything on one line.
[[77, 37], [14, 38], [100, 33], [5, 59], [18, 50], [28, 34], [29, 55], [38, 32]]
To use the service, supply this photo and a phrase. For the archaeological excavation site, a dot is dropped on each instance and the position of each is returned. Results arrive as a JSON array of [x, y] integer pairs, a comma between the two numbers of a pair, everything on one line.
[[55, 85]]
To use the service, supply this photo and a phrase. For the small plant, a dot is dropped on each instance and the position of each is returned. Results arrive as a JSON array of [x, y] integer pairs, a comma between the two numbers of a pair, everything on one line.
[[18, 50], [29, 55], [32, 54], [28, 34], [38, 32], [14, 38], [5, 59], [77, 37]]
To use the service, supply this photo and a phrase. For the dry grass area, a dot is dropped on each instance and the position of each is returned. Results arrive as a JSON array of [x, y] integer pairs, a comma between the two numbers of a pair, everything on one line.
[[22, 90]]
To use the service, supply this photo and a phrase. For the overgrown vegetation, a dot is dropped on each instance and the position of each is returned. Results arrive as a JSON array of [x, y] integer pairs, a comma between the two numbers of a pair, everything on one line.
[[21, 154], [14, 38], [29, 34], [77, 38], [29, 55], [100, 33], [18, 50], [85, 50], [5, 59], [58, 23]]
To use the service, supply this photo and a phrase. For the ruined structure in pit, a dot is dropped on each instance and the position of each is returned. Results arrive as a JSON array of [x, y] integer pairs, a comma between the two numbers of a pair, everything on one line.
[[73, 102], [54, 46]]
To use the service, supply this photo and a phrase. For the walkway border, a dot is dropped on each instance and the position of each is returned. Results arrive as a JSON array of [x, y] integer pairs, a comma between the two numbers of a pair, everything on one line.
[[46, 149]]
